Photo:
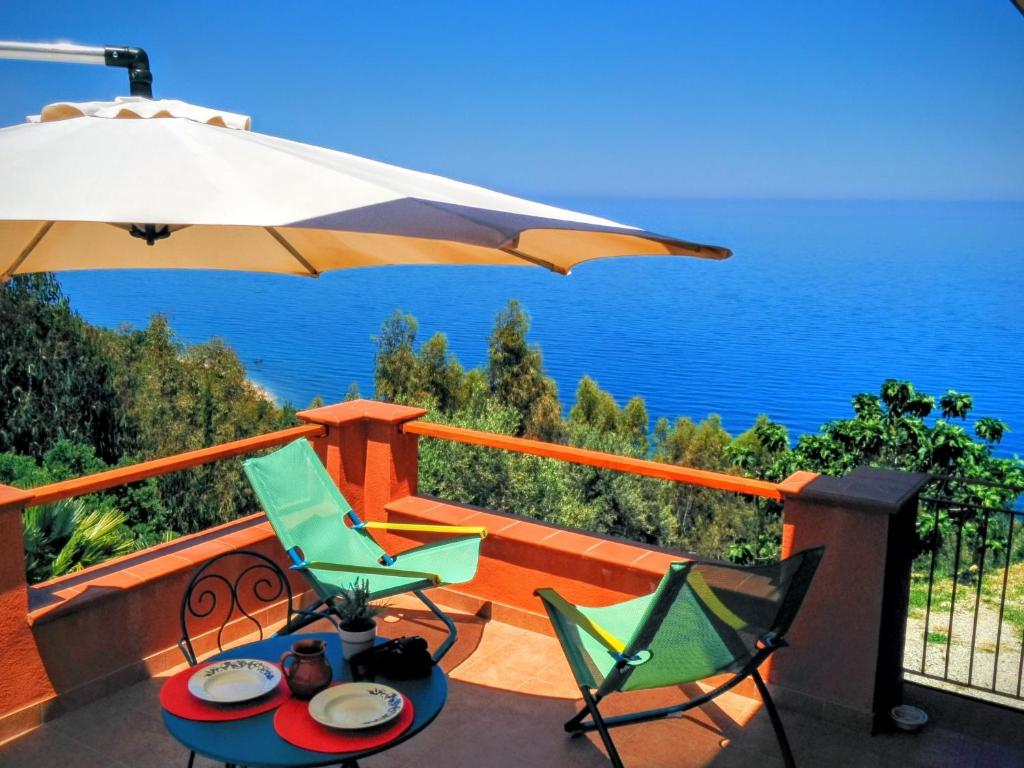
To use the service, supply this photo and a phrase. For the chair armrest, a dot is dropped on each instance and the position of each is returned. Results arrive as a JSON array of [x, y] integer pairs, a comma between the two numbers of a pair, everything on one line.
[[455, 530], [712, 603], [380, 570], [577, 617]]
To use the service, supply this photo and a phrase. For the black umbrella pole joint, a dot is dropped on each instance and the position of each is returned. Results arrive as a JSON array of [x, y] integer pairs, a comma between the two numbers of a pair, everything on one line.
[[135, 60]]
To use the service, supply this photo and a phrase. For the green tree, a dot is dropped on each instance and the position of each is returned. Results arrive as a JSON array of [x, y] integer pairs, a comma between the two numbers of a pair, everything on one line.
[[891, 430], [756, 453], [705, 520], [594, 408], [184, 397], [515, 374], [54, 379], [352, 393], [438, 376], [395, 361], [431, 376], [75, 399]]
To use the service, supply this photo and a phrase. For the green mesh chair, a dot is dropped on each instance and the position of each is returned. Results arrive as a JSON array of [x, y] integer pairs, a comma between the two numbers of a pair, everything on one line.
[[307, 512], [702, 620]]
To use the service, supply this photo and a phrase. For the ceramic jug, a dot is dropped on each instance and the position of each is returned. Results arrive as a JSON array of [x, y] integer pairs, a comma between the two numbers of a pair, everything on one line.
[[309, 671]]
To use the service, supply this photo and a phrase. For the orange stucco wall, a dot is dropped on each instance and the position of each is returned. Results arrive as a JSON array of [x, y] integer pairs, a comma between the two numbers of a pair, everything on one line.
[[66, 641], [848, 590], [23, 677]]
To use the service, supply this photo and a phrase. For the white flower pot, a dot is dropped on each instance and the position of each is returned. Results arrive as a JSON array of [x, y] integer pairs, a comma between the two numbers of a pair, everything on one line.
[[354, 642]]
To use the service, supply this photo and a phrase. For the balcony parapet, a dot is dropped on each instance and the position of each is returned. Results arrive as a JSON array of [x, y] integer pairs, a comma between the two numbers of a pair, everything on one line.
[[519, 555], [123, 614], [78, 591]]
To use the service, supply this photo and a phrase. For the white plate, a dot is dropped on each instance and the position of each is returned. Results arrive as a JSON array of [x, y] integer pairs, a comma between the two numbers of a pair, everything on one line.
[[234, 680], [356, 705]]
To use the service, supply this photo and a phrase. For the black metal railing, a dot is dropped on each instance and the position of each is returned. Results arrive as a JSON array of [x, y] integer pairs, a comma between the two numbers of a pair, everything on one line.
[[966, 621]]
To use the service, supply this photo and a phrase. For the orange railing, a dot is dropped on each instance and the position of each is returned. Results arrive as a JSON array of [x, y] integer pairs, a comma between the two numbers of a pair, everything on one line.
[[79, 486], [700, 477]]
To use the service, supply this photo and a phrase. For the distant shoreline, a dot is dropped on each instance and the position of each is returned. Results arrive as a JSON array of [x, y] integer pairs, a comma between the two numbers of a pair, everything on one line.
[[262, 390], [821, 300]]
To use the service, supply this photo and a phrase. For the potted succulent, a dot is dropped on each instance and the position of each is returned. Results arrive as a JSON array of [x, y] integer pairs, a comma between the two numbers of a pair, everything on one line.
[[357, 623]]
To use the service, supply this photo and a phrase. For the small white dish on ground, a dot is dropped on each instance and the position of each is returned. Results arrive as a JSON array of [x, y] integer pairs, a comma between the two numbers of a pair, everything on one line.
[[908, 718], [234, 680], [356, 705]]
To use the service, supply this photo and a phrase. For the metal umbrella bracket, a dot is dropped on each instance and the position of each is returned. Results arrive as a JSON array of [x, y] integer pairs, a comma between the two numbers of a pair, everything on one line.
[[135, 60]]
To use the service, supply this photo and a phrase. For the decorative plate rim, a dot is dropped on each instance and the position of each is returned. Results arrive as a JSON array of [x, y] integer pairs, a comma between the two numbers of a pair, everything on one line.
[[271, 675], [370, 689]]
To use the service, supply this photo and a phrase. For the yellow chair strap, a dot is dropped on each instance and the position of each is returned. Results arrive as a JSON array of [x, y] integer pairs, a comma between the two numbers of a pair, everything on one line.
[[711, 601], [473, 530], [577, 617], [374, 570]]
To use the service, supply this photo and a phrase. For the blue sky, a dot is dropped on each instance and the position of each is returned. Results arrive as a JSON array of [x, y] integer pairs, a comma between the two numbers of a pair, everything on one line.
[[691, 98]]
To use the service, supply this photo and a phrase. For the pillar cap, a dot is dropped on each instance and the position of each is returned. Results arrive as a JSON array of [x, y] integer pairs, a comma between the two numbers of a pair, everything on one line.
[[866, 488], [795, 483], [361, 410]]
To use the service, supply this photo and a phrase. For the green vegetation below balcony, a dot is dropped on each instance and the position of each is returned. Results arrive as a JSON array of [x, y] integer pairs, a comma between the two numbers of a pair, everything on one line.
[[78, 399]]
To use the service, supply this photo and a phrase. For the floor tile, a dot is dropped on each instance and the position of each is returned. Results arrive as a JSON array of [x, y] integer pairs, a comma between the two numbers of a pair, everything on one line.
[[509, 693]]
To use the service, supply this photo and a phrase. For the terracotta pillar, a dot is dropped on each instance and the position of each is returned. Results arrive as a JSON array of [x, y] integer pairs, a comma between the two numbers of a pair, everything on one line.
[[846, 654], [366, 453], [24, 683]]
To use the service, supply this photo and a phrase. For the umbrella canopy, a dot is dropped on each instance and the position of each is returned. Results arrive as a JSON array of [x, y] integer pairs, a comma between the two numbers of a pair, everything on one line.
[[137, 183]]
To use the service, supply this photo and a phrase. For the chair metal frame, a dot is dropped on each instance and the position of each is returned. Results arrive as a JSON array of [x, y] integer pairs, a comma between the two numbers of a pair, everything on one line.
[[263, 589], [766, 646], [576, 725], [269, 585]]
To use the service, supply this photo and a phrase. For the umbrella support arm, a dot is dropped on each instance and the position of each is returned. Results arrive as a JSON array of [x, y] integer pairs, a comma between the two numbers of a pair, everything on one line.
[[135, 60]]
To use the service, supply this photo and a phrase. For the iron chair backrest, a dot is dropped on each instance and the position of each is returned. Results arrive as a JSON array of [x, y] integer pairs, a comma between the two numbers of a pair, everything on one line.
[[706, 619], [235, 585]]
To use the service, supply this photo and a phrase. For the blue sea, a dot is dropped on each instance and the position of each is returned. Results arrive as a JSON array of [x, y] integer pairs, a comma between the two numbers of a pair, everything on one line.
[[822, 299]]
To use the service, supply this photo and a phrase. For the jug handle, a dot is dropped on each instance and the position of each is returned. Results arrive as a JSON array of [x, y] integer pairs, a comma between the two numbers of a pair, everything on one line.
[[284, 658]]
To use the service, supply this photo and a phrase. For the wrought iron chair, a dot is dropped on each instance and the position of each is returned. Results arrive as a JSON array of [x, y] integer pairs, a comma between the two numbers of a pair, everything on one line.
[[331, 546], [211, 592], [703, 620]]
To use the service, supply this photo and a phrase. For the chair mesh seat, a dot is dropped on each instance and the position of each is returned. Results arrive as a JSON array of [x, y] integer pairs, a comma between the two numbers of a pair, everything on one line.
[[703, 619], [307, 511]]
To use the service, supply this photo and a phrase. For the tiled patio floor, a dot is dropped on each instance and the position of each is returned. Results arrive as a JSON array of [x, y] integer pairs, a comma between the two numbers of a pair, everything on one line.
[[510, 692]]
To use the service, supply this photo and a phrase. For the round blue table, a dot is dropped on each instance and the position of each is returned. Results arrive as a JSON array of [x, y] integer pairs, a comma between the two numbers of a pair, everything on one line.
[[253, 742]]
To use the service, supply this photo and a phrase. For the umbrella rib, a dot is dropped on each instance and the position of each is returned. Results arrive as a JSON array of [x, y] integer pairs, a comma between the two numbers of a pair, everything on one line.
[[39, 235], [487, 225], [533, 260], [313, 272]]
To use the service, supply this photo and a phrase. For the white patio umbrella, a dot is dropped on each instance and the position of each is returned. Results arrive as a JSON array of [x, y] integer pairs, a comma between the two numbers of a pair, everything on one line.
[[138, 183]]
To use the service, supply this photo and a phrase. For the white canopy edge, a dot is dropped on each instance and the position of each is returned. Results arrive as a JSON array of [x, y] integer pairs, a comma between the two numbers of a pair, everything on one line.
[[136, 107]]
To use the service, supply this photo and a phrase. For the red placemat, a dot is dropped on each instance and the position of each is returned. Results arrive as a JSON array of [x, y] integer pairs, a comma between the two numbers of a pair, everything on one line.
[[295, 725], [176, 698]]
